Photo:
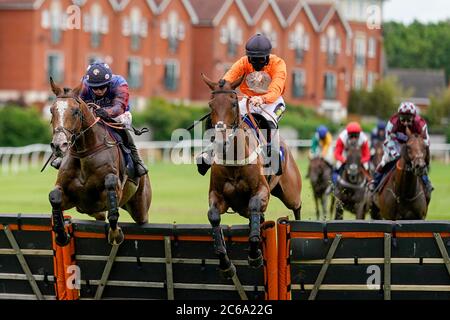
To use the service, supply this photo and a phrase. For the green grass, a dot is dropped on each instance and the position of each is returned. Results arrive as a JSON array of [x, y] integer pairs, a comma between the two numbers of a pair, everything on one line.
[[180, 195]]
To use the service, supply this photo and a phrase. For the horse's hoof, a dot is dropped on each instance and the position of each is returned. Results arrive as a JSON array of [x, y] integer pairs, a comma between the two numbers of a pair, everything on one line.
[[256, 262], [62, 240], [228, 273], [115, 237]]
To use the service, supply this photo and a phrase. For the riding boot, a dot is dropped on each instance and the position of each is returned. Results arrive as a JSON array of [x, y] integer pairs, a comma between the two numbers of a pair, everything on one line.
[[377, 176], [334, 176], [56, 163], [269, 149], [139, 165], [428, 186], [204, 159]]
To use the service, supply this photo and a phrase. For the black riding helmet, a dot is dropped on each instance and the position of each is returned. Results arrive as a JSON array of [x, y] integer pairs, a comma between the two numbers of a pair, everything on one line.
[[98, 74], [258, 50]]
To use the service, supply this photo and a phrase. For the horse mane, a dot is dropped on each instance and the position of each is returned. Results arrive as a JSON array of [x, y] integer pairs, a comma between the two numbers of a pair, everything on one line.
[[222, 83]]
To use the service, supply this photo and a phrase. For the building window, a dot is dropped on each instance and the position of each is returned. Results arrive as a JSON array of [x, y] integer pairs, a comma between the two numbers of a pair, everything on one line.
[[97, 24], [372, 47], [298, 83], [171, 75], [173, 30], [371, 77], [332, 45], [53, 19], [330, 84], [134, 72], [360, 52], [299, 42], [231, 36], [358, 81], [267, 30], [55, 67], [136, 27]]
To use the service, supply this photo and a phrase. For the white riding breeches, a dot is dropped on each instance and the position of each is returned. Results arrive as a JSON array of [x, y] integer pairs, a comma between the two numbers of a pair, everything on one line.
[[272, 112], [125, 118]]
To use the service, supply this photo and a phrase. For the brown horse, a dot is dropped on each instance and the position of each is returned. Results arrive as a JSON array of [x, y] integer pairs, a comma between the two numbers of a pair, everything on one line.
[[319, 173], [403, 194], [351, 192], [239, 183], [377, 156], [92, 176]]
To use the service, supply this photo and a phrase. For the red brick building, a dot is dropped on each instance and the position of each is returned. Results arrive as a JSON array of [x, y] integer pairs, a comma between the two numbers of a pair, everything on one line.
[[162, 46]]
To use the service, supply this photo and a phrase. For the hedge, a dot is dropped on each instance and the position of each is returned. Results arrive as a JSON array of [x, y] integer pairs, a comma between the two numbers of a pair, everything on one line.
[[21, 126]]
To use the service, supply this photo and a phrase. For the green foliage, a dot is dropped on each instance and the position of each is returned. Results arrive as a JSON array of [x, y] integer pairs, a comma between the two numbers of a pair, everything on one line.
[[438, 114], [418, 45], [381, 102], [164, 117], [305, 121], [22, 126]]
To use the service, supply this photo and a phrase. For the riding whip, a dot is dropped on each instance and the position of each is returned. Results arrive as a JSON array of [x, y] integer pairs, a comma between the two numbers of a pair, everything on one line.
[[48, 160], [199, 120]]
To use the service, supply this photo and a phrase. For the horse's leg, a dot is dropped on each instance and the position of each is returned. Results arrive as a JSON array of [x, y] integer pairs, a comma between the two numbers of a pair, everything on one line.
[[257, 206], [115, 234], [298, 212], [316, 202], [139, 204], [324, 206], [56, 200], [360, 214], [216, 208], [339, 210]]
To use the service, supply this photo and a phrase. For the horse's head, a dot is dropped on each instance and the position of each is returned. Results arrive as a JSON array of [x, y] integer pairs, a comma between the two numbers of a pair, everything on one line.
[[67, 118], [353, 163], [415, 153], [224, 103], [319, 171]]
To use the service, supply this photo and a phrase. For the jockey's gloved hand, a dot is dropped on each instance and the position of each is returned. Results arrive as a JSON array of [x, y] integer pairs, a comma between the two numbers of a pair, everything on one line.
[[257, 101], [102, 113], [402, 137]]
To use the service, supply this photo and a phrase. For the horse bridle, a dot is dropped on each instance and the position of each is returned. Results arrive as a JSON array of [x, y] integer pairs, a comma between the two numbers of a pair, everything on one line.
[[73, 136], [235, 103]]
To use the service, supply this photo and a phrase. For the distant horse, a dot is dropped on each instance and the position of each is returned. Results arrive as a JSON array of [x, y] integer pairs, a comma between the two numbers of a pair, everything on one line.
[[319, 173], [377, 156], [239, 183], [351, 192], [92, 176], [403, 194]]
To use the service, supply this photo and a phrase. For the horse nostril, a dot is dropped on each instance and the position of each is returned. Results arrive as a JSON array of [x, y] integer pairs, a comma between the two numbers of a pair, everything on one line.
[[64, 146]]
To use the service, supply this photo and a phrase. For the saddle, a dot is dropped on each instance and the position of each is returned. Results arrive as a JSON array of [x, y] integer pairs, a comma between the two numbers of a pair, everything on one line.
[[262, 123], [120, 139]]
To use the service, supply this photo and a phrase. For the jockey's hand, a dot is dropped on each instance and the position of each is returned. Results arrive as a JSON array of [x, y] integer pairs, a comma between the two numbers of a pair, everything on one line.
[[102, 113], [401, 137], [257, 101]]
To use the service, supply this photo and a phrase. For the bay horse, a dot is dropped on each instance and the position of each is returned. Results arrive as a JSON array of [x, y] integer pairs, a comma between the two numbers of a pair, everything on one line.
[[377, 156], [351, 190], [319, 173], [240, 184], [92, 176], [402, 195]]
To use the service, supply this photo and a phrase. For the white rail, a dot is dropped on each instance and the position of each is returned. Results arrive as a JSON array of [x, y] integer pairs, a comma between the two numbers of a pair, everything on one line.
[[15, 159]]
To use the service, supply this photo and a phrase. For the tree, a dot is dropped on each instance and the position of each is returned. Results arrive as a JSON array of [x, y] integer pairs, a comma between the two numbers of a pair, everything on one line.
[[418, 45]]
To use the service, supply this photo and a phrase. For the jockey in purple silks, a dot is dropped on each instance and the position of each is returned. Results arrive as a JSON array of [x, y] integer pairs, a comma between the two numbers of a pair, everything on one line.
[[110, 93]]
